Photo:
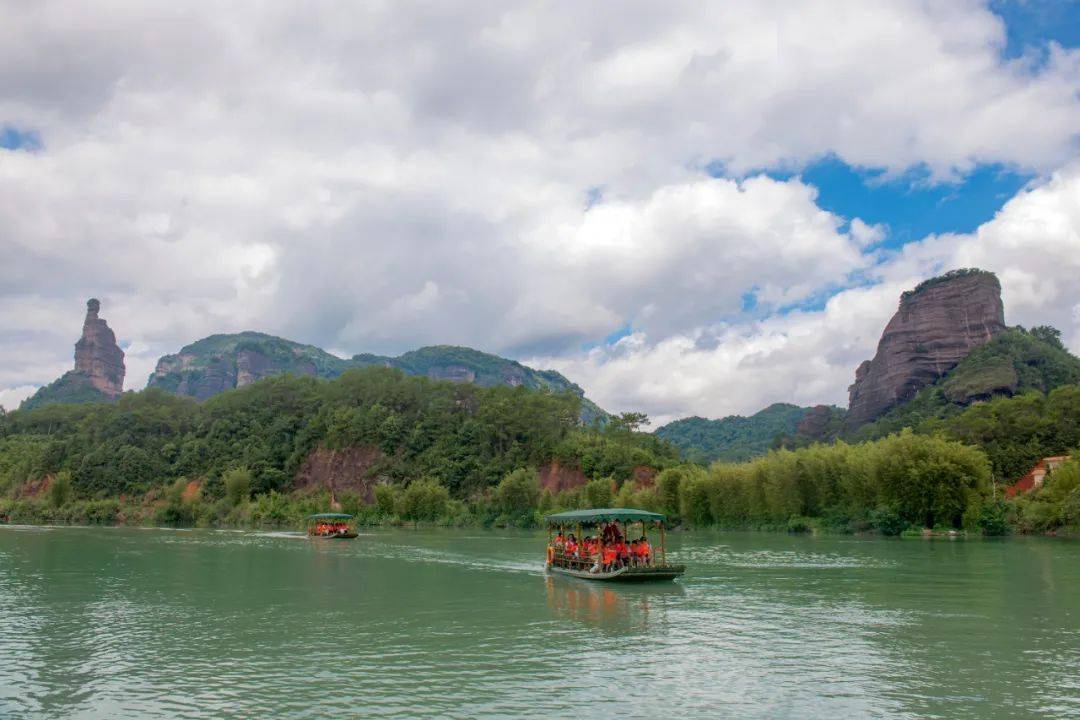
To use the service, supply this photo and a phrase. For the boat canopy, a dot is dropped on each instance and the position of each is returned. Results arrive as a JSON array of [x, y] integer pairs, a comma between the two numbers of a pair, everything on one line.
[[600, 515], [330, 516]]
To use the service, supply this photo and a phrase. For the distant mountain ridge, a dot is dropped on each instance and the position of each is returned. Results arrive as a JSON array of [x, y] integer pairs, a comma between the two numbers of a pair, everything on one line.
[[222, 362], [736, 438], [945, 348]]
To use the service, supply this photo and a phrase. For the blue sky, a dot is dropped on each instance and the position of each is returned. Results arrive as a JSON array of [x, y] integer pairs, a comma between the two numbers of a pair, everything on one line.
[[15, 139], [1030, 24], [911, 207]]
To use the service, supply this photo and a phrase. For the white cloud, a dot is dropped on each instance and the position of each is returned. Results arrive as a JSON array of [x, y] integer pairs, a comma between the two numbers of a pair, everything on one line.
[[1033, 244], [379, 176], [11, 397]]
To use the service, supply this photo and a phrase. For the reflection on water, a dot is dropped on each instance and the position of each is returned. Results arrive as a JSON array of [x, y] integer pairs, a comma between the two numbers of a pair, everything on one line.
[[118, 623], [607, 606]]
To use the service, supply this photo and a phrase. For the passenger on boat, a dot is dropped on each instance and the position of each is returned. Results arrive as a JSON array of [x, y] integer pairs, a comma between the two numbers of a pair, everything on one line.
[[644, 552], [609, 558], [560, 541], [571, 546], [611, 534], [624, 553]]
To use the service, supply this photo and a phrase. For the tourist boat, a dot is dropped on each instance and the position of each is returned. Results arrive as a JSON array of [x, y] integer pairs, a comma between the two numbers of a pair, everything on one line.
[[614, 523], [331, 526]]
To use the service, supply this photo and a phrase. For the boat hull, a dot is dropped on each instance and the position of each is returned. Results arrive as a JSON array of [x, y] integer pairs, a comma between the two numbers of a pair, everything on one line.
[[339, 536], [625, 575]]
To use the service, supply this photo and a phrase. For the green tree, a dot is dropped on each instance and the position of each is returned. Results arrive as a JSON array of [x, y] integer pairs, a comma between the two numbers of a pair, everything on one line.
[[60, 489], [424, 500], [237, 485], [669, 483], [631, 421], [385, 499], [1047, 334], [518, 492], [598, 493]]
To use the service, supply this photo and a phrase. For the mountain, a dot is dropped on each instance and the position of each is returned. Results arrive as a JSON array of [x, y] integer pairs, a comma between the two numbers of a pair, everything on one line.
[[937, 325], [99, 367], [1014, 362], [222, 362], [463, 364], [736, 438]]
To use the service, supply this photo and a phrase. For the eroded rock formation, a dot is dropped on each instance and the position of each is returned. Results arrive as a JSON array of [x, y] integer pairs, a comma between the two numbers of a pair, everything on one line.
[[97, 356], [336, 470], [937, 325], [99, 367], [555, 476]]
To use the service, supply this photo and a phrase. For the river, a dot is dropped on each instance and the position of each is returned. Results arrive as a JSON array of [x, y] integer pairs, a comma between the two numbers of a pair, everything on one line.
[[147, 623]]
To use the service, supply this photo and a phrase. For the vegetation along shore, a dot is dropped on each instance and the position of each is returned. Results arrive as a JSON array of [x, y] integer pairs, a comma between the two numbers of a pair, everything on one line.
[[460, 454]]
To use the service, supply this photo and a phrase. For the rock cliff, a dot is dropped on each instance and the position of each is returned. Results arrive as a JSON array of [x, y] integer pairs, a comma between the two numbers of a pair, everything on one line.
[[936, 326], [99, 367], [223, 362], [97, 356]]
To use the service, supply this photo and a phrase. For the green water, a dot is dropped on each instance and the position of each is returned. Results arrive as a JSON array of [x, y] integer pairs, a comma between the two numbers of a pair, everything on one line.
[[116, 623]]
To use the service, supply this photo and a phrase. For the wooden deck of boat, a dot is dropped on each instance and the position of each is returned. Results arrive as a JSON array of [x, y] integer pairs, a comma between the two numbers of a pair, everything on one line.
[[634, 574]]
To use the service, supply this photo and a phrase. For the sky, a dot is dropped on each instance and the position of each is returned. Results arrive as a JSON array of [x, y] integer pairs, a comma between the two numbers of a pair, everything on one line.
[[687, 208]]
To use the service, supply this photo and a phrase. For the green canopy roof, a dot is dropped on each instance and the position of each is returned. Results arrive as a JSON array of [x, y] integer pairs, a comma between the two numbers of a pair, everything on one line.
[[599, 515], [330, 516]]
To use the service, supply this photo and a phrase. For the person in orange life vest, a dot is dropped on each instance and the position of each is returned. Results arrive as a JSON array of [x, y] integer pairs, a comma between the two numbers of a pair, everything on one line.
[[571, 545], [609, 558], [622, 553], [559, 539], [645, 551], [634, 553]]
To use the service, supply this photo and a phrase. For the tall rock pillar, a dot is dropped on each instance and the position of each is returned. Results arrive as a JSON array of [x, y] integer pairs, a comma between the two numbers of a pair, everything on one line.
[[97, 355]]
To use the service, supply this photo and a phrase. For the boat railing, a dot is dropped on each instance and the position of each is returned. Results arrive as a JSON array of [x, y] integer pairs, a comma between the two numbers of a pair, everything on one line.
[[577, 562]]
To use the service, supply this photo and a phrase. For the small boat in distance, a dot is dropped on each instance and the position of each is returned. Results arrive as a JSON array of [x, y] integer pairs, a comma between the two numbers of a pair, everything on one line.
[[612, 555], [331, 526]]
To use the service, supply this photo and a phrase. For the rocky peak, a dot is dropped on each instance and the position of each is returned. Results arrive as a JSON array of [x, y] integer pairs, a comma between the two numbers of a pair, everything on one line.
[[99, 367], [936, 326], [97, 355]]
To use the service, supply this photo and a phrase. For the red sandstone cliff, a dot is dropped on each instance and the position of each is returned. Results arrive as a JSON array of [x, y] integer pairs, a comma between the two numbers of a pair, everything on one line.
[[937, 325], [97, 356]]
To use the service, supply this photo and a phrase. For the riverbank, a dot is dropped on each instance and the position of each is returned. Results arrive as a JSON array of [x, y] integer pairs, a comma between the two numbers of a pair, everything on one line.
[[289, 512]]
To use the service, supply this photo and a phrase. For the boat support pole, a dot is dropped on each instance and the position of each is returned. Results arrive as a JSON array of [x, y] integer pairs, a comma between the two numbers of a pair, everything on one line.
[[663, 545]]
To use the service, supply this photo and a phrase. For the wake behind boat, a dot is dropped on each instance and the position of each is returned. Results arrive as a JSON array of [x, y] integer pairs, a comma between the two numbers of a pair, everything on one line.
[[609, 556]]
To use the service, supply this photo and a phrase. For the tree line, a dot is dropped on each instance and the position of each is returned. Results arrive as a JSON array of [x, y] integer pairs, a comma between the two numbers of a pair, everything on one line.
[[463, 454]]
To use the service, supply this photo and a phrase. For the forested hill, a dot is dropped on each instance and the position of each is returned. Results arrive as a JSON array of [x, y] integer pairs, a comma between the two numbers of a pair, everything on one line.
[[369, 427], [736, 438], [1016, 362], [391, 447], [223, 362]]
